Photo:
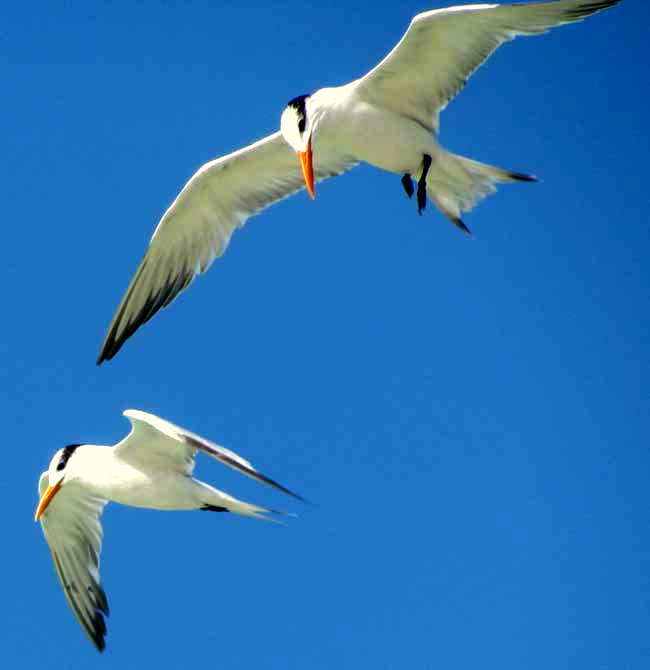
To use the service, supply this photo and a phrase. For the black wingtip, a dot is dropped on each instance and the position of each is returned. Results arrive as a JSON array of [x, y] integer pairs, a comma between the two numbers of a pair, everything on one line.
[[124, 325], [588, 8], [103, 354], [520, 176], [98, 633], [110, 346], [109, 349], [284, 489], [459, 223]]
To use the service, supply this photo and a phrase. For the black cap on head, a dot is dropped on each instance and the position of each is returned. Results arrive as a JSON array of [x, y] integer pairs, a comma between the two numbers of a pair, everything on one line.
[[65, 455], [298, 103]]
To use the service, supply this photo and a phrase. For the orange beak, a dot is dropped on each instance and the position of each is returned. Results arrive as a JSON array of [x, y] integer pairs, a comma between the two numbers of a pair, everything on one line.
[[46, 499], [307, 168]]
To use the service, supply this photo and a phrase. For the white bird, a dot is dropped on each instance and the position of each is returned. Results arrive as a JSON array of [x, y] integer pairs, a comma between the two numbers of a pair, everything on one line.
[[151, 467], [387, 118]]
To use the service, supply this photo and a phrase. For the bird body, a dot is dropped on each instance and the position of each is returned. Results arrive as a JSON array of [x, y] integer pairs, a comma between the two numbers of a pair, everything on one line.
[[99, 470], [389, 118], [347, 124], [151, 467]]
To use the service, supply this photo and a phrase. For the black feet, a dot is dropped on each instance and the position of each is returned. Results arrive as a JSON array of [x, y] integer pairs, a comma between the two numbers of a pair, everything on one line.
[[422, 183], [407, 183], [213, 508]]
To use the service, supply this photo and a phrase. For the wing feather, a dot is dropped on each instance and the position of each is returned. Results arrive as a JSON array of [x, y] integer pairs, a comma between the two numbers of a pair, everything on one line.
[[442, 48], [73, 532], [197, 227], [153, 439]]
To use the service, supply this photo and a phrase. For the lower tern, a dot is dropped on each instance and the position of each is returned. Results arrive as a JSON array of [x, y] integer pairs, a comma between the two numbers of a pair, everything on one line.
[[388, 118], [151, 467]]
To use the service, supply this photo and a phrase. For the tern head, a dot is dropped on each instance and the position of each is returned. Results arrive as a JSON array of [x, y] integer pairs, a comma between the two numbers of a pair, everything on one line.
[[296, 127], [51, 481]]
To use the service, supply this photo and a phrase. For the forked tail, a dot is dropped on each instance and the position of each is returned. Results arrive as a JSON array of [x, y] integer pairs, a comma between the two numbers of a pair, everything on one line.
[[220, 501], [455, 184]]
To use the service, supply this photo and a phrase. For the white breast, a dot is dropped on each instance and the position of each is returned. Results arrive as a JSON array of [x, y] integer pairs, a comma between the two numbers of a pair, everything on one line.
[[119, 481], [375, 135]]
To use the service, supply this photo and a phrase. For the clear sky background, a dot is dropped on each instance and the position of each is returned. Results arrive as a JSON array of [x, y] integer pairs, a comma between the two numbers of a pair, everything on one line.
[[469, 417]]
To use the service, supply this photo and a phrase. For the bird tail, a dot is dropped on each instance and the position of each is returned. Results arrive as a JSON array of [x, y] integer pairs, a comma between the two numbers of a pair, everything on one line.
[[223, 502], [456, 184]]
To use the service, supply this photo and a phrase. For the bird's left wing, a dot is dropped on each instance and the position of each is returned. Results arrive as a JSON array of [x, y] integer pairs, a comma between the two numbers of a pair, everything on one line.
[[197, 226], [153, 439], [443, 47], [74, 534]]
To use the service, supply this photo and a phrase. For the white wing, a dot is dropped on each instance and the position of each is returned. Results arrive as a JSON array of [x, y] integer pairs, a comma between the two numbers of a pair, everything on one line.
[[443, 47], [74, 534], [156, 442], [197, 226]]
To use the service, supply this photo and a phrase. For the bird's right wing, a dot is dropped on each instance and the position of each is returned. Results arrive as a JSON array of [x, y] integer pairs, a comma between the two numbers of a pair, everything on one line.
[[197, 226], [154, 441], [74, 534], [443, 47]]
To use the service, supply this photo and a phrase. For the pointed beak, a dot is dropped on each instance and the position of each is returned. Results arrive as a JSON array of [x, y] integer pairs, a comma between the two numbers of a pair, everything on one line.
[[307, 168], [46, 499]]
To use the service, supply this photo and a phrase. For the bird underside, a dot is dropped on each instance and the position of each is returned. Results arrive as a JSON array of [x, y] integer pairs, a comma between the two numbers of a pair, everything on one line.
[[456, 184]]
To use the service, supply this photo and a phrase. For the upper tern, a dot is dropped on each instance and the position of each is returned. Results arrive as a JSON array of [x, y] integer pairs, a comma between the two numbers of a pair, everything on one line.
[[151, 467], [388, 118]]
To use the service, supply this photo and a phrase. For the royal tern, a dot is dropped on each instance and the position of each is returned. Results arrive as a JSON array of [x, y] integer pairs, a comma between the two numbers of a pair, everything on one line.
[[387, 118], [151, 467]]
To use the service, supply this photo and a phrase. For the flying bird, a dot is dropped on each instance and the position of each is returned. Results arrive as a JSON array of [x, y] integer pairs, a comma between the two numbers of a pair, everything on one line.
[[151, 467], [388, 118]]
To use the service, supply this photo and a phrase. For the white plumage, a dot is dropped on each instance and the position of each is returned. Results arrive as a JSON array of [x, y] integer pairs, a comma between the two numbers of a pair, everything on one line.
[[388, 118], [152, 467]]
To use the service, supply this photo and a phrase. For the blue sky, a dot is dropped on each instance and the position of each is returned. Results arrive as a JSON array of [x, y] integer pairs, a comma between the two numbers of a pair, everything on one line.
[[468, 416]]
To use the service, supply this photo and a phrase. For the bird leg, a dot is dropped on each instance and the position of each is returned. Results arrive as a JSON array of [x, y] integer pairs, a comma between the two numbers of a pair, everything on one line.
[[422, 183], [407, 183]]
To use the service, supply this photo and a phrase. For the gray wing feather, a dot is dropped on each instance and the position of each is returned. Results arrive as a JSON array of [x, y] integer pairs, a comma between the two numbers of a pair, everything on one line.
[[154, 438], [198, 225], [442, 48], [74, 535]]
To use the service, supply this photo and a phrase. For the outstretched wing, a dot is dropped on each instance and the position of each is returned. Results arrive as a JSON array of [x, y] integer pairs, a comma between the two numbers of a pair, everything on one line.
[[197, 226], [74, 534], [442, 48], [154, 441]]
